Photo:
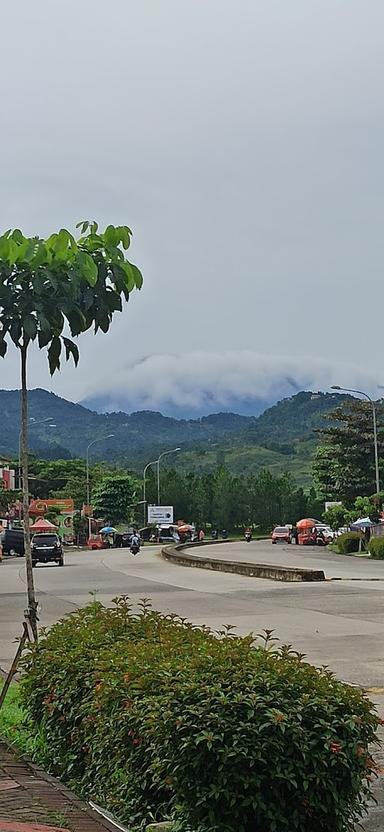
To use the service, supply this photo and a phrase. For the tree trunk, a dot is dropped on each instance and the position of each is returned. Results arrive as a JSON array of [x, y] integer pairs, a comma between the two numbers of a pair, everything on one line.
[[32, 605]]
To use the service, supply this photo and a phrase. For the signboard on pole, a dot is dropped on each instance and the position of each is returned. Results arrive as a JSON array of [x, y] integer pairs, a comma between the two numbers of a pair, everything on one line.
[[330, 504], [160, 514]]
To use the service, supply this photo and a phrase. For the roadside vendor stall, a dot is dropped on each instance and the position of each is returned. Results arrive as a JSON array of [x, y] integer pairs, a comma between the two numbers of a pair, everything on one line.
[[306, 531]]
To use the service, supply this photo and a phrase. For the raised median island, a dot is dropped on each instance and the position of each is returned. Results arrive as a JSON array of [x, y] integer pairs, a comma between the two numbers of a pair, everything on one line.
[[188, 554]]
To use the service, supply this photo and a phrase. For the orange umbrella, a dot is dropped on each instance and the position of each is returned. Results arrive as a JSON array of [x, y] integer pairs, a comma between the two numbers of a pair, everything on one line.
[[307, 523]]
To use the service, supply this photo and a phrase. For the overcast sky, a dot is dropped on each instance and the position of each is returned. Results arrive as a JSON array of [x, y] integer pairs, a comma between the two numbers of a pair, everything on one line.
[[243, 144]]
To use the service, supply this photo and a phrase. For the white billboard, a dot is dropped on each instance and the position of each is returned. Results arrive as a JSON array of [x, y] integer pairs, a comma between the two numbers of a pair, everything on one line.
[[160, 514]]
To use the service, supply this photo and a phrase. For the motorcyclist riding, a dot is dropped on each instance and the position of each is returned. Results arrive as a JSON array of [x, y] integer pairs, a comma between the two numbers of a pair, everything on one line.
[[135, 543], [248, 535]]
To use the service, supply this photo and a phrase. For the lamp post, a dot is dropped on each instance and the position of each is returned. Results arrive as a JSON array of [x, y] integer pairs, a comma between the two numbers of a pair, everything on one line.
[[154, 462], [32, 424], [165, 453], [139, 503], [361, 393], [101, 439]]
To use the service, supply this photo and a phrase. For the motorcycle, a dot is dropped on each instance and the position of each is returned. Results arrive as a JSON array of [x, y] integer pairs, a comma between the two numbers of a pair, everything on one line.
[[134, 549], [248, 536]]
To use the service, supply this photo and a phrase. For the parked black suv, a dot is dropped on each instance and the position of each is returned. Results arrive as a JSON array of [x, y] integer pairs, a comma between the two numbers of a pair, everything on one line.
[[12, 541], [47, 547]]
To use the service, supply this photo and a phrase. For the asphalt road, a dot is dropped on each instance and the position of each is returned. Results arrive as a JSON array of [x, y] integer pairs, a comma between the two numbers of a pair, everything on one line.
[[337, 623]]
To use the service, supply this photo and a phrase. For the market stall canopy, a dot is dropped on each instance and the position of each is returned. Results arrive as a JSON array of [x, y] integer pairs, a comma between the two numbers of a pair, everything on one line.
[[362, 523], [42, 525]]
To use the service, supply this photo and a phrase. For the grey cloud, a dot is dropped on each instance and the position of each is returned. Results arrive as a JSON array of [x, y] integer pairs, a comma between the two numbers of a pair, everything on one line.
[[200, 382], [243, 144]]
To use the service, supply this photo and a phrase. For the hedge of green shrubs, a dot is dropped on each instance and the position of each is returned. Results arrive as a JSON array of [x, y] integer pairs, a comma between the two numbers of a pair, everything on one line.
[[348, 543], [376, 548], [154, 718]]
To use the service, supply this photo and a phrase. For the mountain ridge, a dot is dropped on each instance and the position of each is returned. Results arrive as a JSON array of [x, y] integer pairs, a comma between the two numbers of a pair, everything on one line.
[[282, 438]]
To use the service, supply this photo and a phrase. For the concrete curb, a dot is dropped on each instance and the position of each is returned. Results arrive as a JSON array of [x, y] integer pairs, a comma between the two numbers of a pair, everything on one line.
[[175, 554]]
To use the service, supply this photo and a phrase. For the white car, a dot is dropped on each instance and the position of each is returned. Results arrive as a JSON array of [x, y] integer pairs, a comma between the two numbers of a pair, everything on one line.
[[329, 535]]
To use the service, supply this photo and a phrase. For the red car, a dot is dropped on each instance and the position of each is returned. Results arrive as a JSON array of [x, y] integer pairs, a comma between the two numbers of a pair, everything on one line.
[[281, 534]]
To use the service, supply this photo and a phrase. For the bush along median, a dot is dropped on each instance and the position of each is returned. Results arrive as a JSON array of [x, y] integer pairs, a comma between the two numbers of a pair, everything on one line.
[[376, 548], [156, 719]]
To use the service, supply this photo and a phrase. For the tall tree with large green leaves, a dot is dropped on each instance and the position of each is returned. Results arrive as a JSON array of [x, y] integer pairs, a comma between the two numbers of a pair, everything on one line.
[[344, 463], [51, 289], [114, 499]]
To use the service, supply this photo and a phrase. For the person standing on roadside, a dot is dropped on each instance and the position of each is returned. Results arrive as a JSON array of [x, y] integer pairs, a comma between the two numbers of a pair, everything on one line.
[[201, 535]]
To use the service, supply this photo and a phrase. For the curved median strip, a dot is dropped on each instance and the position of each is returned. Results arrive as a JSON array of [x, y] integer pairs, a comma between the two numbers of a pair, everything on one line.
[[178, 554]]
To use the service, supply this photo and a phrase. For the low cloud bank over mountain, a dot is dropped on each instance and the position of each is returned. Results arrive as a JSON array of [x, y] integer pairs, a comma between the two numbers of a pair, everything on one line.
[[197, 383]]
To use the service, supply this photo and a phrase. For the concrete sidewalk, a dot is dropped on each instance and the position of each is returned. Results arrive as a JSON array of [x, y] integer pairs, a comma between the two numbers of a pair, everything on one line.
[[32, 801]]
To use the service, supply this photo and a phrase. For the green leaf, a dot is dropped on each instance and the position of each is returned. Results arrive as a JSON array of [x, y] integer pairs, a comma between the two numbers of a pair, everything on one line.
[[54, 352], [51, 241], [44, 324], [65, 245], [22, 249], [42, 256], [102, 321], [30, 327], [17, 236], [44, 336], [77, 321], [110, 235], [125, 235], [87, 267], [12, 252], [31, 250], [4, 247], [15, 331], [138, 277], [129, 278], [83, 225], [114, 301], [71, 349]]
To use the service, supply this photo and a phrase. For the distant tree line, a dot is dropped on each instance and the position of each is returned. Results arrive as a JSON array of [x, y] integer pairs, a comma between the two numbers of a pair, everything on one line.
[[219, 499], [223, 500]]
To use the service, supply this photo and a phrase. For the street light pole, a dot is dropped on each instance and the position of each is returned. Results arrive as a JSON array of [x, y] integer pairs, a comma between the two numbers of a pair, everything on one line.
[[361, 393], [101, 439], [154, 462], [135, 505], [165, 453]]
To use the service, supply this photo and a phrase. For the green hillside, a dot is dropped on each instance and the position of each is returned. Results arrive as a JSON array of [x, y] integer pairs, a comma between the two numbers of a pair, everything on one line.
[[244, 459], [281, 439]]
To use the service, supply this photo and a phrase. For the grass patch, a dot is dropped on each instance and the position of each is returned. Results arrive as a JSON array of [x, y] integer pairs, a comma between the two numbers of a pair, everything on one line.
[[11, 714], [13, 721], [59, 819]]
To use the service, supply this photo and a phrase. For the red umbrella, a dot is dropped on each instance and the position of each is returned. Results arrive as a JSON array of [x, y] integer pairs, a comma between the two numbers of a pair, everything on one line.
[[43, 525]]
